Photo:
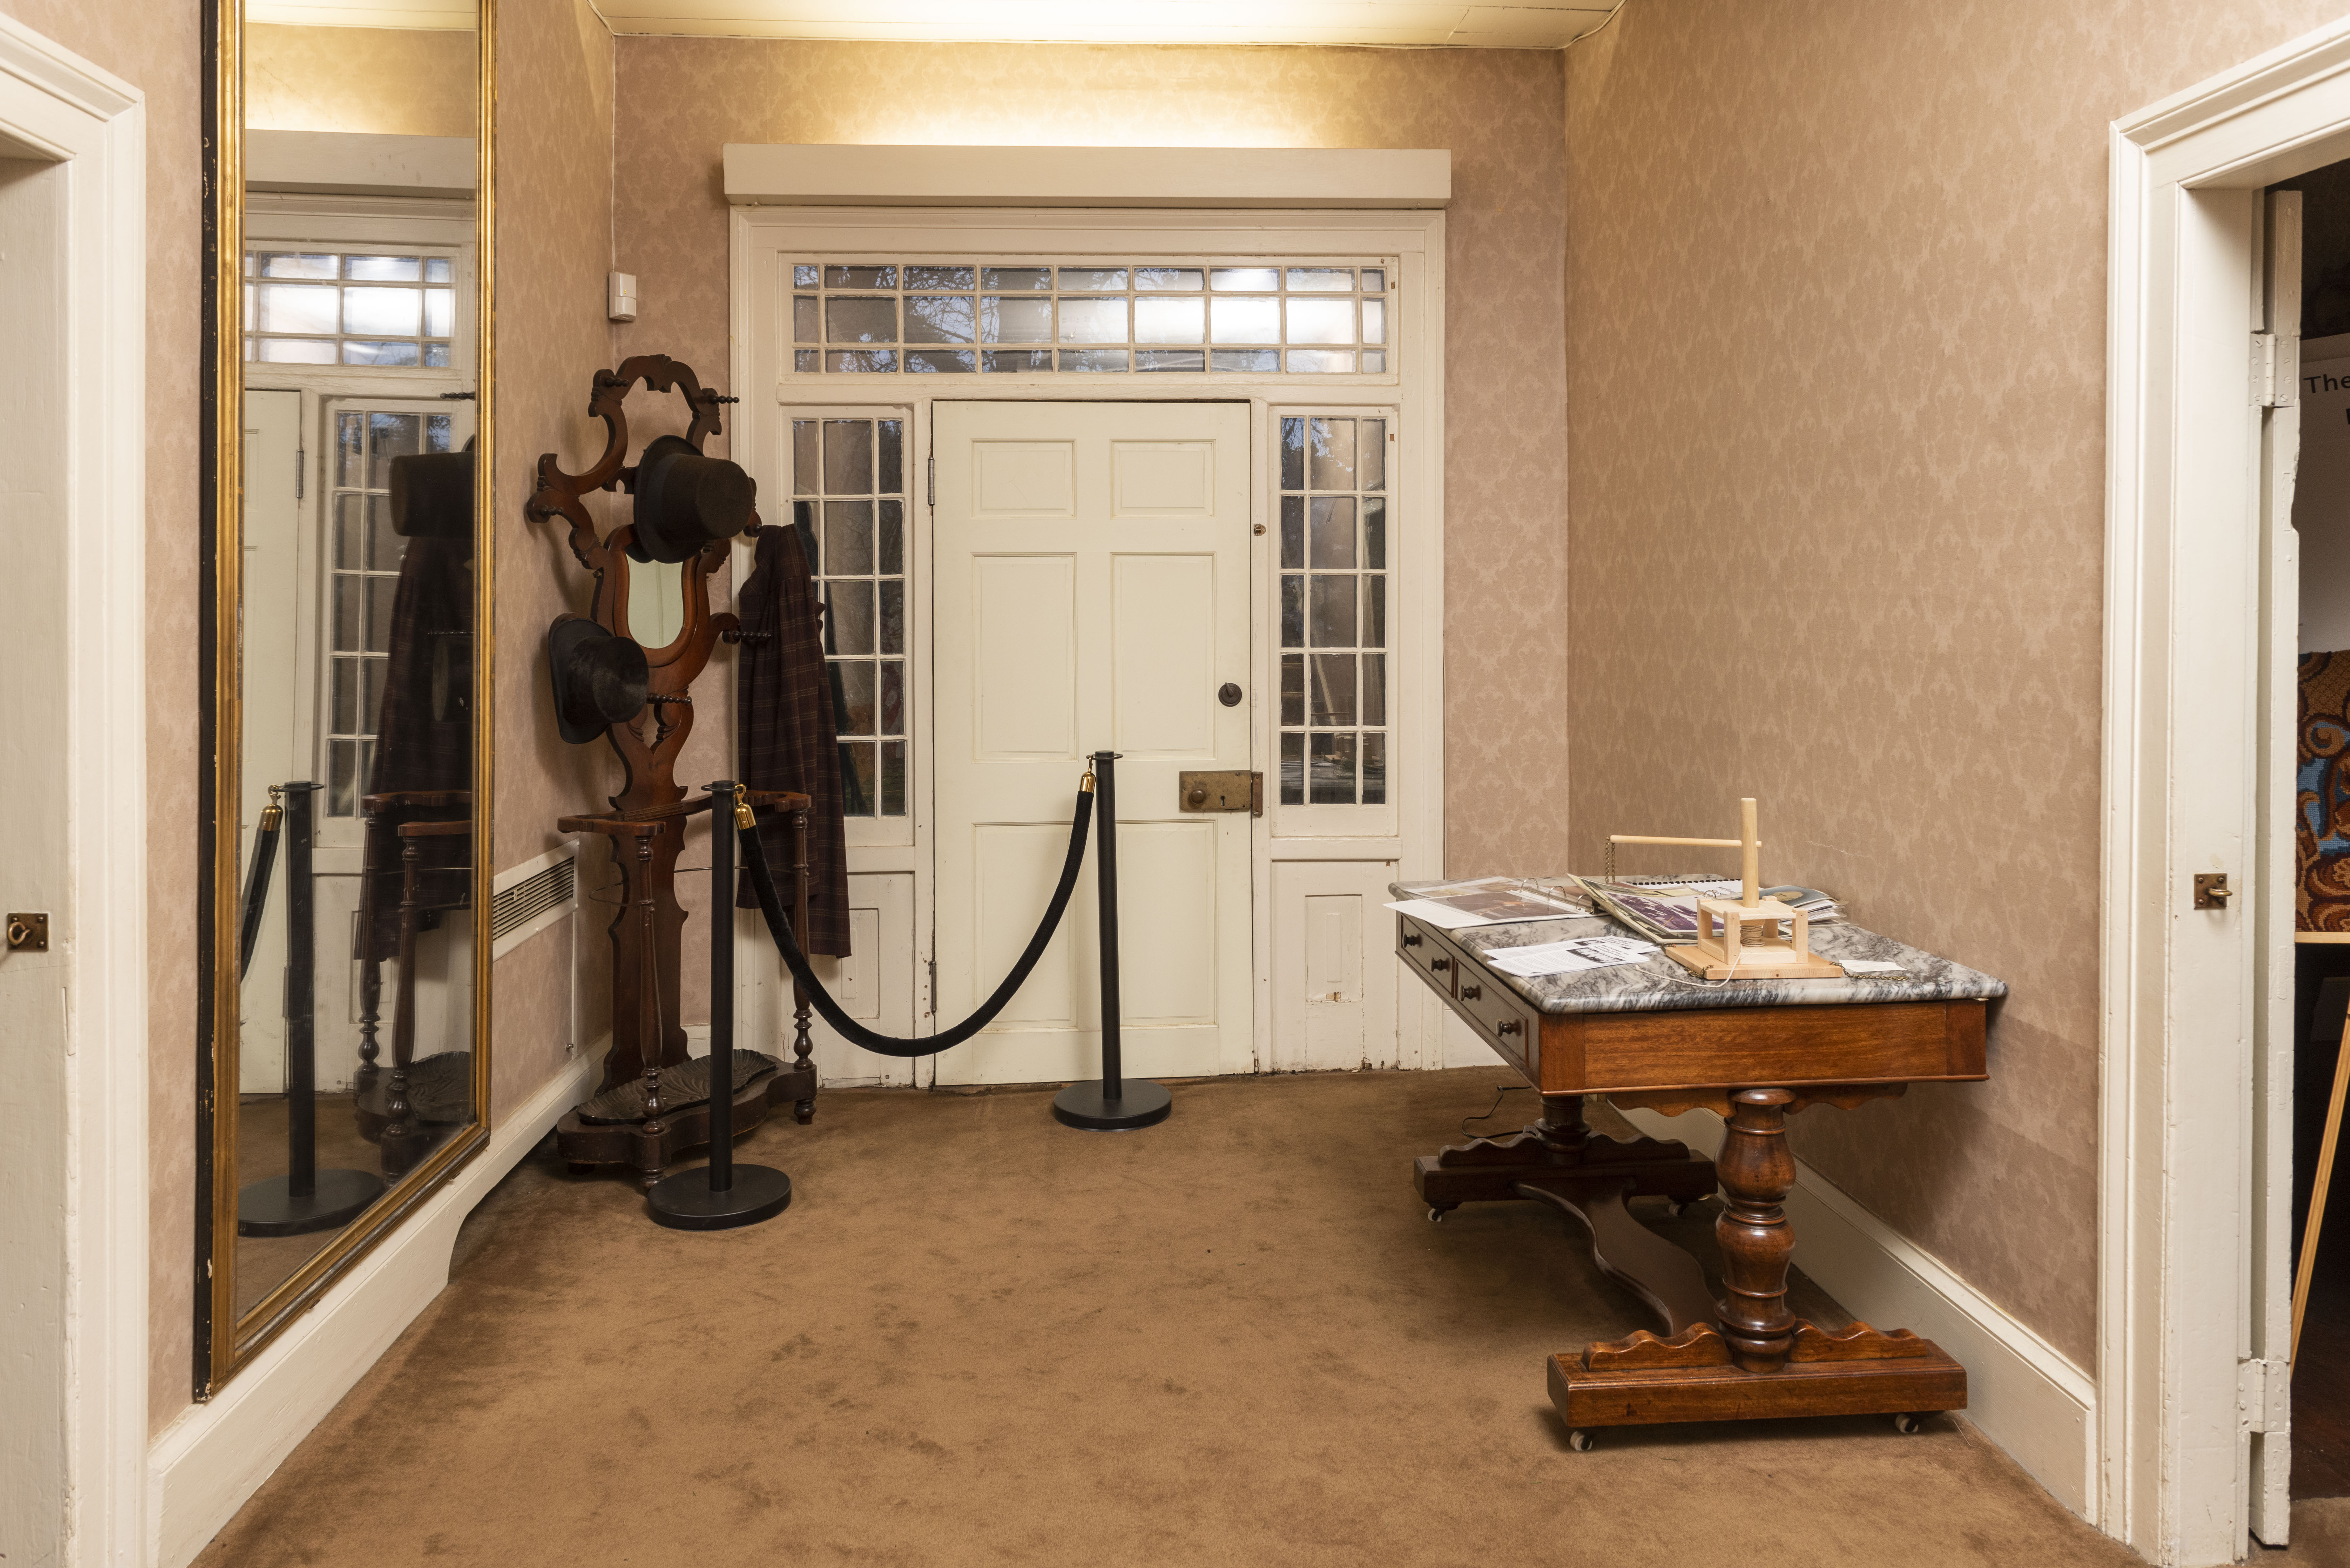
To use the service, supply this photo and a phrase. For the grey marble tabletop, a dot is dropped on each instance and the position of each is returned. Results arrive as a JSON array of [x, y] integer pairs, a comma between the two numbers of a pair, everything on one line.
[[1660, 984]]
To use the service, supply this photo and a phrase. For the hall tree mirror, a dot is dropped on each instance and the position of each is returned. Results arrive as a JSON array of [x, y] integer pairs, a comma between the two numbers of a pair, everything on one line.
[[344, 1049]]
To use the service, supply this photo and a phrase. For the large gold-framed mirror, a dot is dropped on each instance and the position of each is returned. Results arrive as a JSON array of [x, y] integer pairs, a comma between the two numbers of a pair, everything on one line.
[[344, 1049]]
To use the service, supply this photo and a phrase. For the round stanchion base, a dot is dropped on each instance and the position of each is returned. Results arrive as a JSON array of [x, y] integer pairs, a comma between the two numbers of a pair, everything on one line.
[[684, 1201], [336, 1199], [1140, 1103]]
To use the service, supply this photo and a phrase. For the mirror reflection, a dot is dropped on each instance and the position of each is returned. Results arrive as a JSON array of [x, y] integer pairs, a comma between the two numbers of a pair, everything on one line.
[[356, 936]]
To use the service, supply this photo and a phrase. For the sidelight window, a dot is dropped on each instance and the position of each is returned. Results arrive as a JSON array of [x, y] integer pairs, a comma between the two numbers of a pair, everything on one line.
[[1335, 542], [849, 484]]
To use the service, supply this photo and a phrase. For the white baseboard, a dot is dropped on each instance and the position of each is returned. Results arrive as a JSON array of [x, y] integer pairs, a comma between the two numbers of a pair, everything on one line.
[[204, 1465], [2021, 1391]]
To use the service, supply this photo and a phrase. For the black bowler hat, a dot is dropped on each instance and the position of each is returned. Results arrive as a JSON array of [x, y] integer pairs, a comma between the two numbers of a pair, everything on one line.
[[685, 501], [600, 678], [432, 494]]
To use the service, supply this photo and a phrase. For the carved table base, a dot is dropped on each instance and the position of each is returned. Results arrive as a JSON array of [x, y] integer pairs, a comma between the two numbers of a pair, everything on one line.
[[1741, 1358]]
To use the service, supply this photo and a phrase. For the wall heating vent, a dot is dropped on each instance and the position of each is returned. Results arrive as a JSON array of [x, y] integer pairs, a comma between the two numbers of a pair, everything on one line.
[[531, 897]]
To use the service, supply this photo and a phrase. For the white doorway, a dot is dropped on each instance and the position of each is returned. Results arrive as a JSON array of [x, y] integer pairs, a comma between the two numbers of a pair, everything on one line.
[[1093, 594]]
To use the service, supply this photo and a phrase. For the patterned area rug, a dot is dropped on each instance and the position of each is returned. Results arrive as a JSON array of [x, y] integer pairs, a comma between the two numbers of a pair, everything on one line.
[[2321, 817]]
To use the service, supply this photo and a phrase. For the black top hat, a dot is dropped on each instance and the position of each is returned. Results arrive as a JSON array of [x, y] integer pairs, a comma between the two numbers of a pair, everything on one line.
[[685, 501], [432, 494], [600, 678]]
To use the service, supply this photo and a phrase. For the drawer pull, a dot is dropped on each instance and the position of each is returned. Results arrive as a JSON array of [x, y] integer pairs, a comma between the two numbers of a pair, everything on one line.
[[1507, 1026], [1411, 939], [1471, 992], [1439, 965]]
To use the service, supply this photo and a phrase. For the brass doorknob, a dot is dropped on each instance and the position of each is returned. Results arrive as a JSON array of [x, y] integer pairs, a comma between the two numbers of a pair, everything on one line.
[[1229, 695], [1197, 797]]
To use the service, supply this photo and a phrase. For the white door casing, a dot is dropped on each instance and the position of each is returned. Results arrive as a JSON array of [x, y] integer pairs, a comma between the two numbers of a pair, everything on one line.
[[2190, 601], [274, 557], [1092, 594]]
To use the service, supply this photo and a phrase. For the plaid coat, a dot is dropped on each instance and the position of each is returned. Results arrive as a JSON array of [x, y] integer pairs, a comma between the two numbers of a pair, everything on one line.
[[784, 737]]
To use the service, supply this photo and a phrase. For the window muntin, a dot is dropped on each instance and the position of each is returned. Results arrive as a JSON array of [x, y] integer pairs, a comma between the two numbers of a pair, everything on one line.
[[385, 307], [1335, 522], [1105, 317], [850, 486], [362, 580]]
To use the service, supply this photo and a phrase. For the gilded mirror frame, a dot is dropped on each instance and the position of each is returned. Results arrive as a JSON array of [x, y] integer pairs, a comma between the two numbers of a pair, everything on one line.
[[226, 1341]]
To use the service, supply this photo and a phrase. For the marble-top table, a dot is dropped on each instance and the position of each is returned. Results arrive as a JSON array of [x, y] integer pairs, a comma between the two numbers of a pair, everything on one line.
[[1753, 1051]]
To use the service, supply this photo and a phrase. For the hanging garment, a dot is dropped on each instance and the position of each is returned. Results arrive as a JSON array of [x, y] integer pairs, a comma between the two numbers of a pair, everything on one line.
[[424, 734], [784, 731]]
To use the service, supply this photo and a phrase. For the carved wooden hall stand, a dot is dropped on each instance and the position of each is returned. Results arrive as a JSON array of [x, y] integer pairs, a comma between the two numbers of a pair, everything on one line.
[[1646, 1036], [646, 825]]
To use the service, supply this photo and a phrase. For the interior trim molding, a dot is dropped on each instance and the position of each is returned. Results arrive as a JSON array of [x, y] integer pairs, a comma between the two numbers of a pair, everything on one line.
[[358, 163], [2022, 1393], [59, 109], [203, 1468], [2189, 1005], [803, 174]]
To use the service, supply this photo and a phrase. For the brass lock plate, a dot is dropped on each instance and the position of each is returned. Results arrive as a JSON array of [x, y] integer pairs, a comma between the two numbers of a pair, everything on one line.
[[1198, 794]]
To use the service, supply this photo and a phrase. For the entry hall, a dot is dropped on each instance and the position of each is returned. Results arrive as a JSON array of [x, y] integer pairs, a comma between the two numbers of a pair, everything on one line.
[[1344, 783]]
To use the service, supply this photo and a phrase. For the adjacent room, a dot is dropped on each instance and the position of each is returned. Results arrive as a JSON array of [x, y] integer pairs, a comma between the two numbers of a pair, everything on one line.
[[1335, 782]]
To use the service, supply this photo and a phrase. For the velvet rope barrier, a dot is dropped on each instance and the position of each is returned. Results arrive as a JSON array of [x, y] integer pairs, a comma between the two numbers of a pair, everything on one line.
[[256, 882], [779, 925]]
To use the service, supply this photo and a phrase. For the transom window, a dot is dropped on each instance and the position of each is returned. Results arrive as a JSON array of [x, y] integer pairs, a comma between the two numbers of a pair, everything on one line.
[[363, 580], [383, 307], [1334, 612], [851, 475], [1117, 318]]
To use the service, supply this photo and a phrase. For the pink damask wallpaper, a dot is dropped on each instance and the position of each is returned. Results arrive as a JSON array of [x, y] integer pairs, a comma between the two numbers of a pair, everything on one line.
[[681, 99], [1836, 357], [555, 122]]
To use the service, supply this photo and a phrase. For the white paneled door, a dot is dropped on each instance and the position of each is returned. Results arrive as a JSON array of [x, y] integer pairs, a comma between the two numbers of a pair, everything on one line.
[[1092, 593]]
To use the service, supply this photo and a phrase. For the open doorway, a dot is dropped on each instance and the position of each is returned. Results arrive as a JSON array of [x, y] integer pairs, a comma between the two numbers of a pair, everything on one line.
[[2320, 510]]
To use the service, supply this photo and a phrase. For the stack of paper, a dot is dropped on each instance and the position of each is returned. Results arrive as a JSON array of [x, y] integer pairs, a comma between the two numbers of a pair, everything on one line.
[[1567, 957], [1488, 902]]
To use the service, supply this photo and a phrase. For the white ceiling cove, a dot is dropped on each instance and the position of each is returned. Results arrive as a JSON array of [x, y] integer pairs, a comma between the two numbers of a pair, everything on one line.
[[1394, 23]]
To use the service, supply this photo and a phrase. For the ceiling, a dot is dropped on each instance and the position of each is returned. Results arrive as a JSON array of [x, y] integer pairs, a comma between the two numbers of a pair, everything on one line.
[[1407, 24]]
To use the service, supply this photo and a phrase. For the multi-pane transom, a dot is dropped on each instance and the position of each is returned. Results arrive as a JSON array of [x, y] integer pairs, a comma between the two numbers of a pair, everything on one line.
[[384, 308], [1334, 519], [851, 475], [362, 583], [1118, 318]]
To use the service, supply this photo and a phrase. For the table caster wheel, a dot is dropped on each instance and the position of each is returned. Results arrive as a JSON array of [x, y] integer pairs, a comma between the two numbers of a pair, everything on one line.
[[1579, 1440], [1675, 1208], [1437, 1211], [1910, 1421]]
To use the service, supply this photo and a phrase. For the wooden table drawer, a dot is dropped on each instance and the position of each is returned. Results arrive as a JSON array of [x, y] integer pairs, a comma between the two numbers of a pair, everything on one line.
[[1428, 953], [1505, 1021]]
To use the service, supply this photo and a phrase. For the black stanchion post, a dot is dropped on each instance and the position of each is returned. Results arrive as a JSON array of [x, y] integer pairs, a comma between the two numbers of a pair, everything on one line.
[[1110, 1103], [725, 1195], [305, 1199]]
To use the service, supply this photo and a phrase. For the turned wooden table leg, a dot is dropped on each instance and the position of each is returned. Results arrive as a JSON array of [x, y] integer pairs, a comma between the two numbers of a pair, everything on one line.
[[1756, 1169], [1562, 1126]]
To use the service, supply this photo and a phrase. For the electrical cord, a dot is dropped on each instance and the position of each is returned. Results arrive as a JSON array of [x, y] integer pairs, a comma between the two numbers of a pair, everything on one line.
[[1496, 1109], [779, 926]]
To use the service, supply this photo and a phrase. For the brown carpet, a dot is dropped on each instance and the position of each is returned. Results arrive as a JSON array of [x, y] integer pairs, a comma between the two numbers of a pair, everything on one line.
[[979, 1337]]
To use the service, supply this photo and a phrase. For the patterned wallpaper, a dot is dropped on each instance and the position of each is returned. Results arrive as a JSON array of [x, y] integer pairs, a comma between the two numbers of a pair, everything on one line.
[[1837, 296], [398, 81], [1497, 110], [554, 218]]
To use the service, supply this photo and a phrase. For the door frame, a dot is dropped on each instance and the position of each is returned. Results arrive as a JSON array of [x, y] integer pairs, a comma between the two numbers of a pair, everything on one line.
[[59, 109], [2188, 1370], [759, 236]]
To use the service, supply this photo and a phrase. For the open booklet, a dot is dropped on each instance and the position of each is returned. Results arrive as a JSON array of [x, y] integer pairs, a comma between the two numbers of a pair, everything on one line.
[[1665, 910], [1489, 901]]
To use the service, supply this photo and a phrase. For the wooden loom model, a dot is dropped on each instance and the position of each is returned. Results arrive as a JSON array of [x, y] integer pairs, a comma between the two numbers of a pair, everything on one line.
[[1740, 937]]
